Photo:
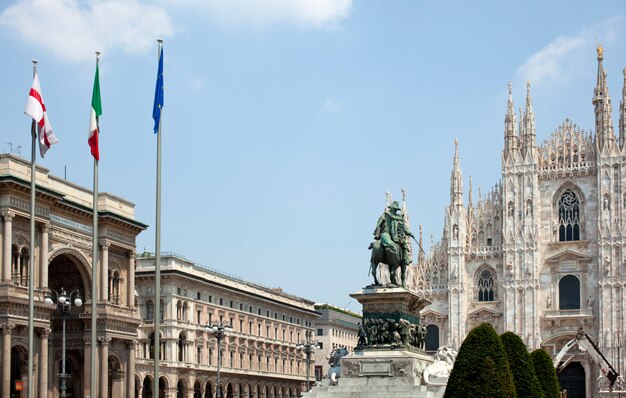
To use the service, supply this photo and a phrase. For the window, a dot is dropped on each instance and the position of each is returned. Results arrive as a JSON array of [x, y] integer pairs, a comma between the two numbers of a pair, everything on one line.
[[241, 325], [149, 311], [198, 296], [221, 301], [569, 217], [232, 304], [240, 307], [320, 345], [199, 318], [569, 293], [210, 299], [432, 338], [485, 286]]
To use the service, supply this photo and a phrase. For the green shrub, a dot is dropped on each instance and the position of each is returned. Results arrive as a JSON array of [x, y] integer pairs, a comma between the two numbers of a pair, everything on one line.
[[526, 383], [546, 373], [481, 369]]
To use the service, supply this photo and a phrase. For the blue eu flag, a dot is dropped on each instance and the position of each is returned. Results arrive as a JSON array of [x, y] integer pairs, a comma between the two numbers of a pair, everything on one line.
[[158, 95]]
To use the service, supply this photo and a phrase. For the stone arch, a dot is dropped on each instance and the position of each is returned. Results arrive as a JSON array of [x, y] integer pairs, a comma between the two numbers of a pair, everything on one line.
[[208, 389], [116, 375], [82, 263], [197, 389], [182, 387]]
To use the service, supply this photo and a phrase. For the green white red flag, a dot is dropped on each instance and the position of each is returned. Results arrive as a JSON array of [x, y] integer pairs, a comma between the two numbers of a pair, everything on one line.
[[96, 111]]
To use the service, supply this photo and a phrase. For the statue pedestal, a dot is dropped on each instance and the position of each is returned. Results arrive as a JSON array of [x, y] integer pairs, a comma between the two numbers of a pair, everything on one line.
[[391, 360]]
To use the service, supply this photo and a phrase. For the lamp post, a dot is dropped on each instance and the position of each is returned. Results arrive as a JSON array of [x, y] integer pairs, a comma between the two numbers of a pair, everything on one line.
[[219, 330], [64, 305], [308, 346]]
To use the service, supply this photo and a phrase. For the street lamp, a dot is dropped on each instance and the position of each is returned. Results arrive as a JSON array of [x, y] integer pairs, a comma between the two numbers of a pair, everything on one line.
[[64, 305], [308, 346], [219, 329]]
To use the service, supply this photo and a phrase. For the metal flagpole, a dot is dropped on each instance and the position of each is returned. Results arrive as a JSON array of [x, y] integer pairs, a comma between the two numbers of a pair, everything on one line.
[[94, 274], [157, 245], [31, 264]]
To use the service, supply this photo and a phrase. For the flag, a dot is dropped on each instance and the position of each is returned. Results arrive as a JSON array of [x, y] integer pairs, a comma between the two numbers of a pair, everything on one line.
[[158, 95], [96, 111], [36, 109]]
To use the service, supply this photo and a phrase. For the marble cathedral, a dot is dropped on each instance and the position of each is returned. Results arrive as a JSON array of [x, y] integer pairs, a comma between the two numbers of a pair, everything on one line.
[[542, 253]]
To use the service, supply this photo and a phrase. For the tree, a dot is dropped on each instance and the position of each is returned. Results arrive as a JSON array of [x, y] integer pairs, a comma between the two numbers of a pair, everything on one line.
[[481, 368], [546, 373], [526, 383]]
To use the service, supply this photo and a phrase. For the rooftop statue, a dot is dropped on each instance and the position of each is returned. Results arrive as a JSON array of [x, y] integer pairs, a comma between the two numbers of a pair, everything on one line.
[[391, 244], [600, 50]]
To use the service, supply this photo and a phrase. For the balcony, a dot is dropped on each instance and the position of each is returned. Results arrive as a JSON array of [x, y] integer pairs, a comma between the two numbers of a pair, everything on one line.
[[558, 319]]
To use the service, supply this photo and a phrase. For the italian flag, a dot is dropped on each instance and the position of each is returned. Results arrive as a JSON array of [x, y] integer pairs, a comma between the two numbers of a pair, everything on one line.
[[96, 111]]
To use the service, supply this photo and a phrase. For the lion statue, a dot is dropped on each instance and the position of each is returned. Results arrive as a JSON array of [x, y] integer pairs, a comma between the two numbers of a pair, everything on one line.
[[335, 366], [438, 372]]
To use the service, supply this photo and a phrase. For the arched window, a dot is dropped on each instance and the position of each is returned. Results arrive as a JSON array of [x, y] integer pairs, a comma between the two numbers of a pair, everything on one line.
[[569, 293], [569, 217], [485, 285], [432, 337]]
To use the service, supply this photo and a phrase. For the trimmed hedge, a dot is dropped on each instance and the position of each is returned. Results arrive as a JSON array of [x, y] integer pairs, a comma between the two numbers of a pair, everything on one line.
[[526, 383], [546, 373], [481, 369]]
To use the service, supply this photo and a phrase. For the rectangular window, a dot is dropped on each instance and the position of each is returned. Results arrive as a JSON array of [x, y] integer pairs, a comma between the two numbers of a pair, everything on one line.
[[221, 301], [259, 329], [259, 311], [240, 307], [241, 325], [210, 316], [198, 296], [210, 299], [232, 304], [250, 327], [199, 318]]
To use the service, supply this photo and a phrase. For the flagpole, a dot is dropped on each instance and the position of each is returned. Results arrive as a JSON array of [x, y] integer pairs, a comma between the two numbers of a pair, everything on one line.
[[94, 274], [157, 265], [31, 264]]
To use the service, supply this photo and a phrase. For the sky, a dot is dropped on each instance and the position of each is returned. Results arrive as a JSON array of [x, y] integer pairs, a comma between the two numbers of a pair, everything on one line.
[[286, 121]]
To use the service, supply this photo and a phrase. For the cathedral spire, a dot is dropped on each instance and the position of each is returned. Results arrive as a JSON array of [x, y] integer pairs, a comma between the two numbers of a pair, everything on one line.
[[510, 126], [622, 114], [456, 179], [530, 134], [602, 105]]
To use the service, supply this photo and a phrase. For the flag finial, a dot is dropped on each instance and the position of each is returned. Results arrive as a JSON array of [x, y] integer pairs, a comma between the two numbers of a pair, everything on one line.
[[98, 55]]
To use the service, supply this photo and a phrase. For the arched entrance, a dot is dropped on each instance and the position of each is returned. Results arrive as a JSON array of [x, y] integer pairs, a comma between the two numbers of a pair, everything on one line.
[[115, 378], [147, 388], [197, 390], [162, 387], [66, 272], [18, 363], [208, 390], [572, 379]]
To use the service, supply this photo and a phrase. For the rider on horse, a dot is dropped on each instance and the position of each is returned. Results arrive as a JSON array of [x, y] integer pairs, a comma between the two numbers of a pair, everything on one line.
[[391, 245]]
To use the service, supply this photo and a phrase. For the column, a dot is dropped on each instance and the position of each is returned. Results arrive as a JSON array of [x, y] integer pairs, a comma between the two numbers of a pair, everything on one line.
[[104, 365], [6, 245], [43, 363], [87, 367], [130, 284], [130, 369], [7, 331], [104, 271], [43, 255]]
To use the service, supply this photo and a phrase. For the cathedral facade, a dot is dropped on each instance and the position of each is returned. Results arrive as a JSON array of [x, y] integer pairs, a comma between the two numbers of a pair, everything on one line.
[[542, 253]]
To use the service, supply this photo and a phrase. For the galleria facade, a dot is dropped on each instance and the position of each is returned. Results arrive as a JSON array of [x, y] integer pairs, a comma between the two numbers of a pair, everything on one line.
[[544, 252], [260, 356]]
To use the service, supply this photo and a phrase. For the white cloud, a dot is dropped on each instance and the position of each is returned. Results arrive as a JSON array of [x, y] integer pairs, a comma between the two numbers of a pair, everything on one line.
[[548, 62], [260, 13], [74, 29], [560, 58], [332, 105]]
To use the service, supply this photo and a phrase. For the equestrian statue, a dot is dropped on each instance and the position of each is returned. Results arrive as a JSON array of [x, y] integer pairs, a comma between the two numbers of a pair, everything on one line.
[[391, 244]]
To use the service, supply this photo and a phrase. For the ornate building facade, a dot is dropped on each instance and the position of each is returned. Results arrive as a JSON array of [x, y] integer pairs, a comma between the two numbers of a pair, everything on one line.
[[543, 253], [63, 260], [260, 357]]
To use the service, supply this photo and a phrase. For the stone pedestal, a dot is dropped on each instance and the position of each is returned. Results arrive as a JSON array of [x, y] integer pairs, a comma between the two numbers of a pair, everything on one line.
[[389, 361]]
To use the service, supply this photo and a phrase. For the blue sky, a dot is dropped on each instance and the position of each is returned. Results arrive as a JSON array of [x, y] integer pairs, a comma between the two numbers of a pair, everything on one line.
[[286, 121]]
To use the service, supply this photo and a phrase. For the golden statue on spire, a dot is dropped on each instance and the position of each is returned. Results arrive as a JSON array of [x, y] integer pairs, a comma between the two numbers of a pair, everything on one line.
[[600, 50]]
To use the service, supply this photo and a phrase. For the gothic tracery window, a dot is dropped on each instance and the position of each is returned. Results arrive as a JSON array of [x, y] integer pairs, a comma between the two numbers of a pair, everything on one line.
[[569, 217], [485, 286]]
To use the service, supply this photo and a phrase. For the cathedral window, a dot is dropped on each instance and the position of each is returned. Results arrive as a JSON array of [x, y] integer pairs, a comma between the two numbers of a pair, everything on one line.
[[569, 293], [569, 221], [485, 285]]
